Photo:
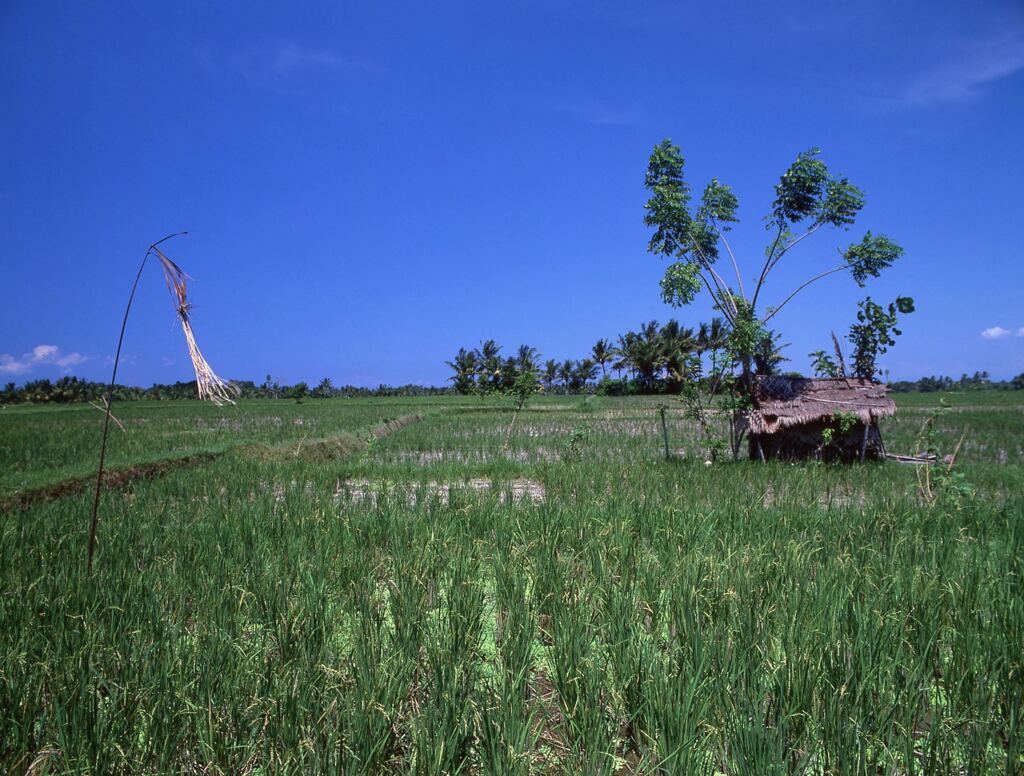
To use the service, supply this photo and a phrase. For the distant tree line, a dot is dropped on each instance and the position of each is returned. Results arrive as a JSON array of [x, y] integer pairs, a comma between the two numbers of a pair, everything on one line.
[[664, 359], [644, 362], [655, 359], [75, 389], [979, 381]]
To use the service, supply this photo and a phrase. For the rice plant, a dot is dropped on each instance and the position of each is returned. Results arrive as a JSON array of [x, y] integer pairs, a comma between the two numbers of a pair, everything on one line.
[[644, 616]]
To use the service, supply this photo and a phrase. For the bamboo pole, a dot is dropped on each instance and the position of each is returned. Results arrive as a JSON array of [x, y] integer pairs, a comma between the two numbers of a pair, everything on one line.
[[94, 518]]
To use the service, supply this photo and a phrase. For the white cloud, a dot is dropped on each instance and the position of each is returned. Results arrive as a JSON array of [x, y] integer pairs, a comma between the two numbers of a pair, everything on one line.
[[996, 332], [964, 75], [8, 365], [71, 359], [44, 352], [600, 114], [1020, 331], [286, 63], [290, 58], [41, 356]]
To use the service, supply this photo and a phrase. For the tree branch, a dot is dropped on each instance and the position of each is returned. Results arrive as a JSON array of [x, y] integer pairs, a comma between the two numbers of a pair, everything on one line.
[[804, 285], [774, 258], [719, 284], [725, 311], [732, 256], [723, 289], [764, 269], [786, 247]]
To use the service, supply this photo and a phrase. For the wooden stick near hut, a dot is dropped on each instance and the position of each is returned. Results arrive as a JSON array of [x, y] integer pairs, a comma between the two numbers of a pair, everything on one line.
[[840, 361], [956, 451], [664, 431], [915, 459]]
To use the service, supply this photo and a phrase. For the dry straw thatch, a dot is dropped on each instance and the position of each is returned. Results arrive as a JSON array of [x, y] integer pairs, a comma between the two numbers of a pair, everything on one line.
[[786, 402], [208, 384]]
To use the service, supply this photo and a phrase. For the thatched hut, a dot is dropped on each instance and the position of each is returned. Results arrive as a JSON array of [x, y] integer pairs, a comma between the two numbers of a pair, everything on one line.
[[829, 419]]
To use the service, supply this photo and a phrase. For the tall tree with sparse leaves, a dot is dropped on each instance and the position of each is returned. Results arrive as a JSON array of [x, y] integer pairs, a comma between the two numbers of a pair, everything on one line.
[[693, 236]]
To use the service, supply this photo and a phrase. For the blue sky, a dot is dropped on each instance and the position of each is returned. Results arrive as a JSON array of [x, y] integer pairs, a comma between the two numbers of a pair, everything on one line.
[[368, 186]]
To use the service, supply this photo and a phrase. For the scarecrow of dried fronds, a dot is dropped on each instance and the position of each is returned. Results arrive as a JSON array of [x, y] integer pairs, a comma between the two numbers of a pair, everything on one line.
[[207, 383]]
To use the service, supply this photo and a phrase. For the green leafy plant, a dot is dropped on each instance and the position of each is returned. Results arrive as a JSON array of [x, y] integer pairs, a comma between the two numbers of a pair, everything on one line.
[[527, 383], [823, 365], [940, 483], [578, 438], [875, 332], [697, 406], [840, 423]]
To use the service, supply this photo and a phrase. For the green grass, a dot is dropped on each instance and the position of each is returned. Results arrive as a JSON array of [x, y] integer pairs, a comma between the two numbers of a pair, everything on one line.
[[401, 607], [40, 445]]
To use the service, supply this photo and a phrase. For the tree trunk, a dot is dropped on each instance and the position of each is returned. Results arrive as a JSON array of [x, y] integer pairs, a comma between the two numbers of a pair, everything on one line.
[[515, 416]]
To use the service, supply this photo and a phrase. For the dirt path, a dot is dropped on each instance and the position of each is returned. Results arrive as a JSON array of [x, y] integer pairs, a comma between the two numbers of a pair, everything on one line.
[[122, 477]]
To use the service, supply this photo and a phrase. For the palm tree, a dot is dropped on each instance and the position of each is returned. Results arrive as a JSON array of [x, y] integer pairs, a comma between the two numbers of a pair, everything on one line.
[[325, 389], [565, 372], [711, 337], [768, 355], [488, 361], [621, 361], [642, 352], [509, 373], [602, 354], [584, 371], [677, 344], [527, 358], [550, 373], [465, 366]]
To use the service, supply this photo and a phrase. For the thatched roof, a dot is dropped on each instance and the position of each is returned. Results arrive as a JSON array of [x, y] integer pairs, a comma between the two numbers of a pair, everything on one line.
[[785, 402]]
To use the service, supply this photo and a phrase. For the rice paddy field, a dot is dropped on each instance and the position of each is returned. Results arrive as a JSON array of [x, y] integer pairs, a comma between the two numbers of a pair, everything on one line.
[[380, 586]]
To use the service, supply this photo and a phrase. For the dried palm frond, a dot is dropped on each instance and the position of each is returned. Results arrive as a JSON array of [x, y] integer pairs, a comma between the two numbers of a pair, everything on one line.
[[208, 384]]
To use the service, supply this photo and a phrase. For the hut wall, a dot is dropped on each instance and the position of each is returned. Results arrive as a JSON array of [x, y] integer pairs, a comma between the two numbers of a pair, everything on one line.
[[807, 441]]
